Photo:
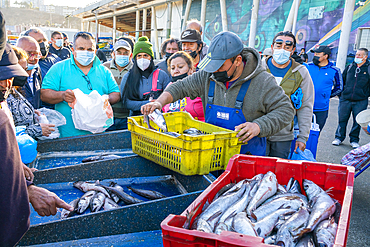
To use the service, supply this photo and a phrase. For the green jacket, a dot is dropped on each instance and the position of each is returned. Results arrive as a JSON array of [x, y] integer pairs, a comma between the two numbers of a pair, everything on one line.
[[265, 103], [298, 75]]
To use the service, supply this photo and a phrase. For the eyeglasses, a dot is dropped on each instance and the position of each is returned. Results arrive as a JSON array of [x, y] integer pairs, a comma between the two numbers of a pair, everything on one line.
[[89, 85], [33, 55]]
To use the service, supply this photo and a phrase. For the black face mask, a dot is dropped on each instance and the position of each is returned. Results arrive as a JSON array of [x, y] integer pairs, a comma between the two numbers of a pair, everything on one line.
[[222, 76], [19, 81], [168, 55], [44, 49], [179, 77], [315, 60], [194, 54]]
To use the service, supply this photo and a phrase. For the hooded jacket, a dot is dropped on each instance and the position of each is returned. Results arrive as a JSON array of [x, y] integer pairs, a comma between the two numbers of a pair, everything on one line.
[[356, 88], [304, 113], [265, 103]]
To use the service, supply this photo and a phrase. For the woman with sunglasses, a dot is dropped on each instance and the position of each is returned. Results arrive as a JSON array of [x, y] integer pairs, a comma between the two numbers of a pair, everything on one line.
[[144, 82], [180, 65]]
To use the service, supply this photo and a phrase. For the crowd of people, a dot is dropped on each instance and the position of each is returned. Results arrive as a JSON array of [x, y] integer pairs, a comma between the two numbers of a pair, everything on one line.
[[225, 84]]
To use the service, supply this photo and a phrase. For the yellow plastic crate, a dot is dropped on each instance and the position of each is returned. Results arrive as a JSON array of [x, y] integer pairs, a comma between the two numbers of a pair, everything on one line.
[[188, 155]]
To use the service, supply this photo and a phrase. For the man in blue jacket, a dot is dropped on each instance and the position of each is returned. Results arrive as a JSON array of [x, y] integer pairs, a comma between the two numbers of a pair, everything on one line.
[[354, 98], [327, 80]]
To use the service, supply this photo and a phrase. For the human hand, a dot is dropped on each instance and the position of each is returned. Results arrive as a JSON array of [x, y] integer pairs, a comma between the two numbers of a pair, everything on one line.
[[46, 202], [28, 172], [38, 112], [46, 129], [247, 131], [69, 96], [150, 107], [301, 146]]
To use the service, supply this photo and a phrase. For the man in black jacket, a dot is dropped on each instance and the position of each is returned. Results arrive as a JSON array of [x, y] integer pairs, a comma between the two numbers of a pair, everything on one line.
[[354, 98]]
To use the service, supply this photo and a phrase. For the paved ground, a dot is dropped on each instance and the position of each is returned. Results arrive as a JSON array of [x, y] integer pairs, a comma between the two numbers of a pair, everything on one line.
[[359, 231]]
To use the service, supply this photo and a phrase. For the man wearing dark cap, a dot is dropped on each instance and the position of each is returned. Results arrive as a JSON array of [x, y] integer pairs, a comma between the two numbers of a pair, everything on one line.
[[236, 91], [354, 98], [327, 81], [192, 43], [16, 193]]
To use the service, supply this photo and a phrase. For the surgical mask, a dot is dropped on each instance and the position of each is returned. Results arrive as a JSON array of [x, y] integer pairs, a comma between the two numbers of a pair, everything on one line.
[[44, 49], [315, 60], [222, 76], [179, 77], [59, 42], [358, 60], [168, 55], [32, 66], [193, 54], [85, 57], [143, 63], [281, 56], [122, 60]]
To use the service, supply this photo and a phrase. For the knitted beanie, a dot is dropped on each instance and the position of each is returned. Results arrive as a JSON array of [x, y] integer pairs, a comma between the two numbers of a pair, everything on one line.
[[143, 45]]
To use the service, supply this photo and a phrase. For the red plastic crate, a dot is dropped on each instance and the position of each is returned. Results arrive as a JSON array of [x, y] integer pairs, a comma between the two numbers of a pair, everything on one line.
[[244, 166]]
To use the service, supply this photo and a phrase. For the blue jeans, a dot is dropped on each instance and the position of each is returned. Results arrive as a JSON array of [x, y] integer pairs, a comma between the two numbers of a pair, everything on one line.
[[321, 117], [345, 109], [119, 124]]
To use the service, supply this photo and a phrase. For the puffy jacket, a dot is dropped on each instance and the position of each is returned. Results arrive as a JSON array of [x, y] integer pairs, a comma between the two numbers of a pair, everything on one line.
[[357, 87], [328, 83]]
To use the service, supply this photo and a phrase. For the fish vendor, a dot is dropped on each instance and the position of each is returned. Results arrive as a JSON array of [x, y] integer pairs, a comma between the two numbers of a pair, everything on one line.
[[236, 91]]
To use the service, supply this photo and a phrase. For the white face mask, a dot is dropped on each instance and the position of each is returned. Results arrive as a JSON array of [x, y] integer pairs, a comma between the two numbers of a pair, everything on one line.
[[281, 56], [143, 63]]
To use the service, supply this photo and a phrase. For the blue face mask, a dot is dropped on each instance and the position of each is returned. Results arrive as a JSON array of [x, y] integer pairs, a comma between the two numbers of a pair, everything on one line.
[[122, 60], [281, 56], [85, 57], [32, 66], [59, 42], [358, 60]]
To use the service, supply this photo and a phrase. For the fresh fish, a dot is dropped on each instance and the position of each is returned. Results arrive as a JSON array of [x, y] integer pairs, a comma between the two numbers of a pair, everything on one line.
[[293, 202], [266, 225], [235, 188], [294, 226], [225, 226], [172, 134], [97, 202], [241, 224], [150, 194], [223, 190], [217, 207], [193, 132], [290, 183], [101, 157], [157, 117], [86, 186], [338, 210], [267, 189], [113, 196], [306, 241], [270, 239], [311, 189], [203, 226], [84, 201], [325, 232], [282, 219], [189, 216], [281, 189], [295, 187], [110, 204], [126, 198], [147, 121], [66, 213]]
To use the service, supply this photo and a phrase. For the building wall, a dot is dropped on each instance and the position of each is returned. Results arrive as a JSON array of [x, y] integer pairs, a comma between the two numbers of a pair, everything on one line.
[[317, 21]]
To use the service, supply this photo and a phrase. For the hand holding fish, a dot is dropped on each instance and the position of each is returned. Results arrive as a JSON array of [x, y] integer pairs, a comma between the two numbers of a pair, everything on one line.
[[45, 202], [247, 131], [163, 100]]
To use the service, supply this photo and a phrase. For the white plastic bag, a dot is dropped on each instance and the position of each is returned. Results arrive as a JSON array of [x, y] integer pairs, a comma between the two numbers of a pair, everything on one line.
[[49, 116], [91, 112]]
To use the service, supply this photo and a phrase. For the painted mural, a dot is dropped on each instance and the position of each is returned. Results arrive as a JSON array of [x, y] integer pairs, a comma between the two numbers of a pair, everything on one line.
[[318, 21]]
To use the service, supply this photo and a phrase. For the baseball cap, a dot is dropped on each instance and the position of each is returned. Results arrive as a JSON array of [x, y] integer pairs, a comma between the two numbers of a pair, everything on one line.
[[9, 66], [322, 48], [224, 45], [122, 44], [190, 35]]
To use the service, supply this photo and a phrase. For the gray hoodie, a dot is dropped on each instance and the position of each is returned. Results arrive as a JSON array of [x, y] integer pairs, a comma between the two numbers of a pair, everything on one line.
[[265, 103]]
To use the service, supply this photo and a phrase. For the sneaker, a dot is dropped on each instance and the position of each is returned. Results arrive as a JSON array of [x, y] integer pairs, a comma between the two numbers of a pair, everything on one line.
[[355, 145], [336, 142]]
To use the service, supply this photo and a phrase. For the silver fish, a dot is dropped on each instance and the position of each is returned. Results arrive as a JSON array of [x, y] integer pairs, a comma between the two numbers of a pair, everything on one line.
[[157, 117], [311, 189], [303, 197], [97, 202], [223, 190], [193, 132], [281, 189], [84, 201], [235, 188], [284, 238], [267, 189], [241, 224], [66, 213], [295, 187], [306, 241], [292, 202], [86, 186], [110, 204], [325, 233], [294, 225], [150, 194], [203, 226], [281, 220], [270, 239], [266, 225], [126, 198], [113, 196]]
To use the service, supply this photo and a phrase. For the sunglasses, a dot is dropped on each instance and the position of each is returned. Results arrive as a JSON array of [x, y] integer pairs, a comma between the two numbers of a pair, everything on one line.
[[89, 85], [280, 42]]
